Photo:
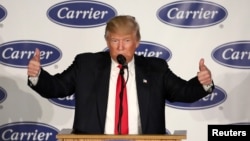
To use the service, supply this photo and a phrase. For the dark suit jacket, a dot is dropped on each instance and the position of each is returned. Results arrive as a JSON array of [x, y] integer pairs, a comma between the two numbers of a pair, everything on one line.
[[88, 78]]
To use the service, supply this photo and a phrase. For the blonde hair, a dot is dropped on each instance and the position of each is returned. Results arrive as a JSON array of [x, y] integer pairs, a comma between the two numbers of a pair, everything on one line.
[[123, 24]]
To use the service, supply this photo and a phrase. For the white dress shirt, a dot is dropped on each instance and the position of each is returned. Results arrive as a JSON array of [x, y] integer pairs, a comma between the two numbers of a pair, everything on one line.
[[133, 108]]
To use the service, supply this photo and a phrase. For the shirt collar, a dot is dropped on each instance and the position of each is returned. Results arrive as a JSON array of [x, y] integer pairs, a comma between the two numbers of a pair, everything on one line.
[[131, 65]]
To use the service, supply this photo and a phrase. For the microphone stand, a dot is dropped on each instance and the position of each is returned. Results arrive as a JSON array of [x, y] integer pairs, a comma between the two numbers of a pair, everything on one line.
[[121, 100]]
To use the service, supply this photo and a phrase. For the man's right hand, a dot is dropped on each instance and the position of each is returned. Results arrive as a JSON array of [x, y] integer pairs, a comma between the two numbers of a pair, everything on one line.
[[34, 65]]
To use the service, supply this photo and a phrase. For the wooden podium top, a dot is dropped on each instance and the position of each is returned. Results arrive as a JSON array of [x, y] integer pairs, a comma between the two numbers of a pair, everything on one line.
[[67, 135]]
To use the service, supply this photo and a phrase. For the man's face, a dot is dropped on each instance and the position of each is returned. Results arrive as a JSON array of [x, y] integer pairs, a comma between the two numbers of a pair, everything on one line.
[[122, 44]]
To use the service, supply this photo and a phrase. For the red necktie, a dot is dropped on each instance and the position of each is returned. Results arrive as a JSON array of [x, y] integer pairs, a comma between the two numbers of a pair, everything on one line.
[[121, 111]]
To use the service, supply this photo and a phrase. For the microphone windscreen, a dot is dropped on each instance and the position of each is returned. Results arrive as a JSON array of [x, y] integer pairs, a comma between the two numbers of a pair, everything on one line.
[[121, 59]]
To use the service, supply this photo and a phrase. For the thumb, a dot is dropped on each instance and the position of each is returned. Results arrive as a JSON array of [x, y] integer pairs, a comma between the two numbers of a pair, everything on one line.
[[202, 64], [37, 55]]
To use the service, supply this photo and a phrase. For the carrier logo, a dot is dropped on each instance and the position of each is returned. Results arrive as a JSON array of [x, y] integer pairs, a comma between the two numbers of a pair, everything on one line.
[[81, 14], [150, 49], [233, 54], [66, 102], [217, 97], [3, 13], [192, 14], [28, 131], [18, 53], [3, 94]]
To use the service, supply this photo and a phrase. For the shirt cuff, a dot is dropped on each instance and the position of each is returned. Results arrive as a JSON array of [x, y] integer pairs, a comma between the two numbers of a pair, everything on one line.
[[208, 88], [33, 80]]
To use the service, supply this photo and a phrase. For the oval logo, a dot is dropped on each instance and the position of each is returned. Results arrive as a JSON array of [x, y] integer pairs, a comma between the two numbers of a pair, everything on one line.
[[3, 13], [217, 97], [192, 14], [3, 94], [66, 102], [150, 49], [233, 54], [81, 14], [28, 131], [18, 53]]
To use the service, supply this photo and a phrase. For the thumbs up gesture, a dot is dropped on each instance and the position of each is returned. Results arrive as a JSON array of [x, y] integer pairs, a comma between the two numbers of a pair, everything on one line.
[[204, 74], [34, 65]]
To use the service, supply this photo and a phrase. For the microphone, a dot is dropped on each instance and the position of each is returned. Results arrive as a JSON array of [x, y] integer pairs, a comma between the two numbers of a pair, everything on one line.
[[122, 60]]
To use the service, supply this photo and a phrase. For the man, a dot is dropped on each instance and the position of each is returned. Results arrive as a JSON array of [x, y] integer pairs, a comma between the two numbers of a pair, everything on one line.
[[92, 78]]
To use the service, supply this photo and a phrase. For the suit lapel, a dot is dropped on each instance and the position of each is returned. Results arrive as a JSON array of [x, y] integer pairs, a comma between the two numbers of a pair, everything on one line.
[[143, 91], [103, 89]]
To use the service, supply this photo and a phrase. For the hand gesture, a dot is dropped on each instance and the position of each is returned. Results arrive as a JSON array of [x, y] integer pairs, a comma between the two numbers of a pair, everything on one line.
[[34, 65], [204, 75]]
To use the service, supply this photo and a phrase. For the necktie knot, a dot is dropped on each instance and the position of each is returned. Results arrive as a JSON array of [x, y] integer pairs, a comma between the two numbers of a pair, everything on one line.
[[119, 66], [121, 69]]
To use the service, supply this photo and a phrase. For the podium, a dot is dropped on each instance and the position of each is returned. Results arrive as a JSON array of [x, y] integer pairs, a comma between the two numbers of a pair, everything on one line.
[[67, 135]]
